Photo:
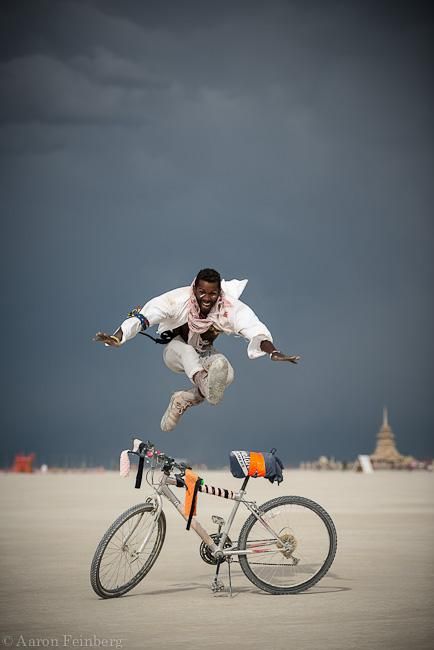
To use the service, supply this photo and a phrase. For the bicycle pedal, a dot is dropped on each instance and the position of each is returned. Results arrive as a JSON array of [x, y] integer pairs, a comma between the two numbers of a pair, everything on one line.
[[217, 586]]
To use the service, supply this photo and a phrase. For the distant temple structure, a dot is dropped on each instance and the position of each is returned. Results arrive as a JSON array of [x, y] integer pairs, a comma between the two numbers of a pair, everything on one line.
[[386, 453], [385, 456]]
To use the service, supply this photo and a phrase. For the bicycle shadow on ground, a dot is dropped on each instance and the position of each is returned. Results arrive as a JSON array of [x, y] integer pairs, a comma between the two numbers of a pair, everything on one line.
[[173, 589], [238, 590], [317, 589]]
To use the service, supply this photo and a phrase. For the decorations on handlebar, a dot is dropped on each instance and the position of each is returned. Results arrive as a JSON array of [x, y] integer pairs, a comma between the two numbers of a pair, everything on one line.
[[146, 451], [139, 475]]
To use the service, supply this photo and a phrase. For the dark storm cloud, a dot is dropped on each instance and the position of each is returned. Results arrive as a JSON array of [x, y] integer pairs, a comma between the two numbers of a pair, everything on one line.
[[98, 90], [290, 143]]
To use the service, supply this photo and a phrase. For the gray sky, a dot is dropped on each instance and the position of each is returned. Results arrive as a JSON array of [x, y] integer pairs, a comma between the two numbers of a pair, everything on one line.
[[289, 143]]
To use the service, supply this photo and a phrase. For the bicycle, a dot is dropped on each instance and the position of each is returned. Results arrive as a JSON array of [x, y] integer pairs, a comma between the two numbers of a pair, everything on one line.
[[285, 546]]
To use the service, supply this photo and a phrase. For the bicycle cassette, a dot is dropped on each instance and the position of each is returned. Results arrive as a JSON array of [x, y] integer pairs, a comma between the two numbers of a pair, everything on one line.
[[205, 551]]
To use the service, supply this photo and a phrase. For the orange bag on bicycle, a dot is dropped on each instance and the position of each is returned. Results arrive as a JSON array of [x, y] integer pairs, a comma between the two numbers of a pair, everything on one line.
[[256, 463]]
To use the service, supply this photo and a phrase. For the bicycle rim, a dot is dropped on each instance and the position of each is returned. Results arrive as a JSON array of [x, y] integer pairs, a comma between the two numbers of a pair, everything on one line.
[[297, 555]]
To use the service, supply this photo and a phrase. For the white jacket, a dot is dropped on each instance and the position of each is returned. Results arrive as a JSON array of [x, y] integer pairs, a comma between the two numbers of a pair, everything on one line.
[[170, 310]]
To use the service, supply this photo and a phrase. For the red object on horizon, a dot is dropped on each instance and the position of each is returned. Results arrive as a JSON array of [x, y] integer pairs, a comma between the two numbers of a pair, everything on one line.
[[23, 464]]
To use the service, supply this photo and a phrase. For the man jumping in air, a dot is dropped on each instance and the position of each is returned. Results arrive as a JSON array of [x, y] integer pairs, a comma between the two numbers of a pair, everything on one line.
[[192, 318]]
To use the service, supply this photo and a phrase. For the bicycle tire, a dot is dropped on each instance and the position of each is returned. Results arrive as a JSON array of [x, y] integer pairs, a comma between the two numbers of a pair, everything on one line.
[[321, 525], [98, 580]]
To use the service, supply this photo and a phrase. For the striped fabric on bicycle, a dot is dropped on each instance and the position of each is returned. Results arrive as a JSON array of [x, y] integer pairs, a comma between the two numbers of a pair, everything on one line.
[[218, 492]]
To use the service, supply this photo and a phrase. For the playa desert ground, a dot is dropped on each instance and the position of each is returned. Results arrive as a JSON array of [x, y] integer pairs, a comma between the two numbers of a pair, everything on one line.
[[378, 593]]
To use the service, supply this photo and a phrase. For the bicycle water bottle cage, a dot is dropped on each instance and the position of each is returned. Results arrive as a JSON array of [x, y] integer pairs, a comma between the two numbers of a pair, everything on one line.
[[255, 464]]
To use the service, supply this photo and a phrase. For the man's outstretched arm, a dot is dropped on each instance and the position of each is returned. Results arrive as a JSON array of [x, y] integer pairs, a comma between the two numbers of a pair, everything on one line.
[[248, 325], [117, 339], [276, 355], [140, 318]]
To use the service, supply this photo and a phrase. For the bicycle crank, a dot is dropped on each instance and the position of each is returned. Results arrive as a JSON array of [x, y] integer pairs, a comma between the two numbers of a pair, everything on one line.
[[205, 551]]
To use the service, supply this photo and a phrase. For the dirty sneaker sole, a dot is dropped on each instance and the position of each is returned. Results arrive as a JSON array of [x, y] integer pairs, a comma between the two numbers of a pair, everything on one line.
[[217, 378]]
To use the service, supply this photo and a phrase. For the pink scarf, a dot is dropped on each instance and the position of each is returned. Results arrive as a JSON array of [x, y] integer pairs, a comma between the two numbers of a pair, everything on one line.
[[198, 325]]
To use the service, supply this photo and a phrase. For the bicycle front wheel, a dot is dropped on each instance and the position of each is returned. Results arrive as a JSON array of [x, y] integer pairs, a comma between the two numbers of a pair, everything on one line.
[[120, 562], [290, 547]]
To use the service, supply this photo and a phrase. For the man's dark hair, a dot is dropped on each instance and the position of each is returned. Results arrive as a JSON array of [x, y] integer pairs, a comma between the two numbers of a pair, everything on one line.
[[209, 275]]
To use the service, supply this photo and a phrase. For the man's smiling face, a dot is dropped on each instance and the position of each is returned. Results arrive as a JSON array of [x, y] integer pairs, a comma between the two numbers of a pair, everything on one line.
[[207, 294]]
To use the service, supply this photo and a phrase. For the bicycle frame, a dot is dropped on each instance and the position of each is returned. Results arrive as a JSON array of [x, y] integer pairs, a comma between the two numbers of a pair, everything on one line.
[[218, 551]]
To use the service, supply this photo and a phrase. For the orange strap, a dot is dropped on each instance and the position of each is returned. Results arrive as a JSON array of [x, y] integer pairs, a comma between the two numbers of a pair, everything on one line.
[[257, 464], [190, 482]]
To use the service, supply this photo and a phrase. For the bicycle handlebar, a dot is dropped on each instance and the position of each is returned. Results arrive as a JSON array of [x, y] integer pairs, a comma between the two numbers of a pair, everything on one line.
[[147, 451]]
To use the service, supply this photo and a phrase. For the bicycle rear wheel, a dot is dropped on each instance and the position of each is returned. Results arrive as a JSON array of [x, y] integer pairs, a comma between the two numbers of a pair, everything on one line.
[[118, 565], [290, 548]]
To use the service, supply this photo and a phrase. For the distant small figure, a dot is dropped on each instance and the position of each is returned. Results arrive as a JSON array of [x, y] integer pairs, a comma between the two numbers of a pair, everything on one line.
[[190, 319]]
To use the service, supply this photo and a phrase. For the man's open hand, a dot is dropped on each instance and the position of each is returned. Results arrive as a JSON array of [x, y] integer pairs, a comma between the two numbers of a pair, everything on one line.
[[107, 339], [279, 356]]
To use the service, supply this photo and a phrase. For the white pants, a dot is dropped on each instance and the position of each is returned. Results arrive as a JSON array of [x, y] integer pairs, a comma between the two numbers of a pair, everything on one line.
[[181, 357]]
